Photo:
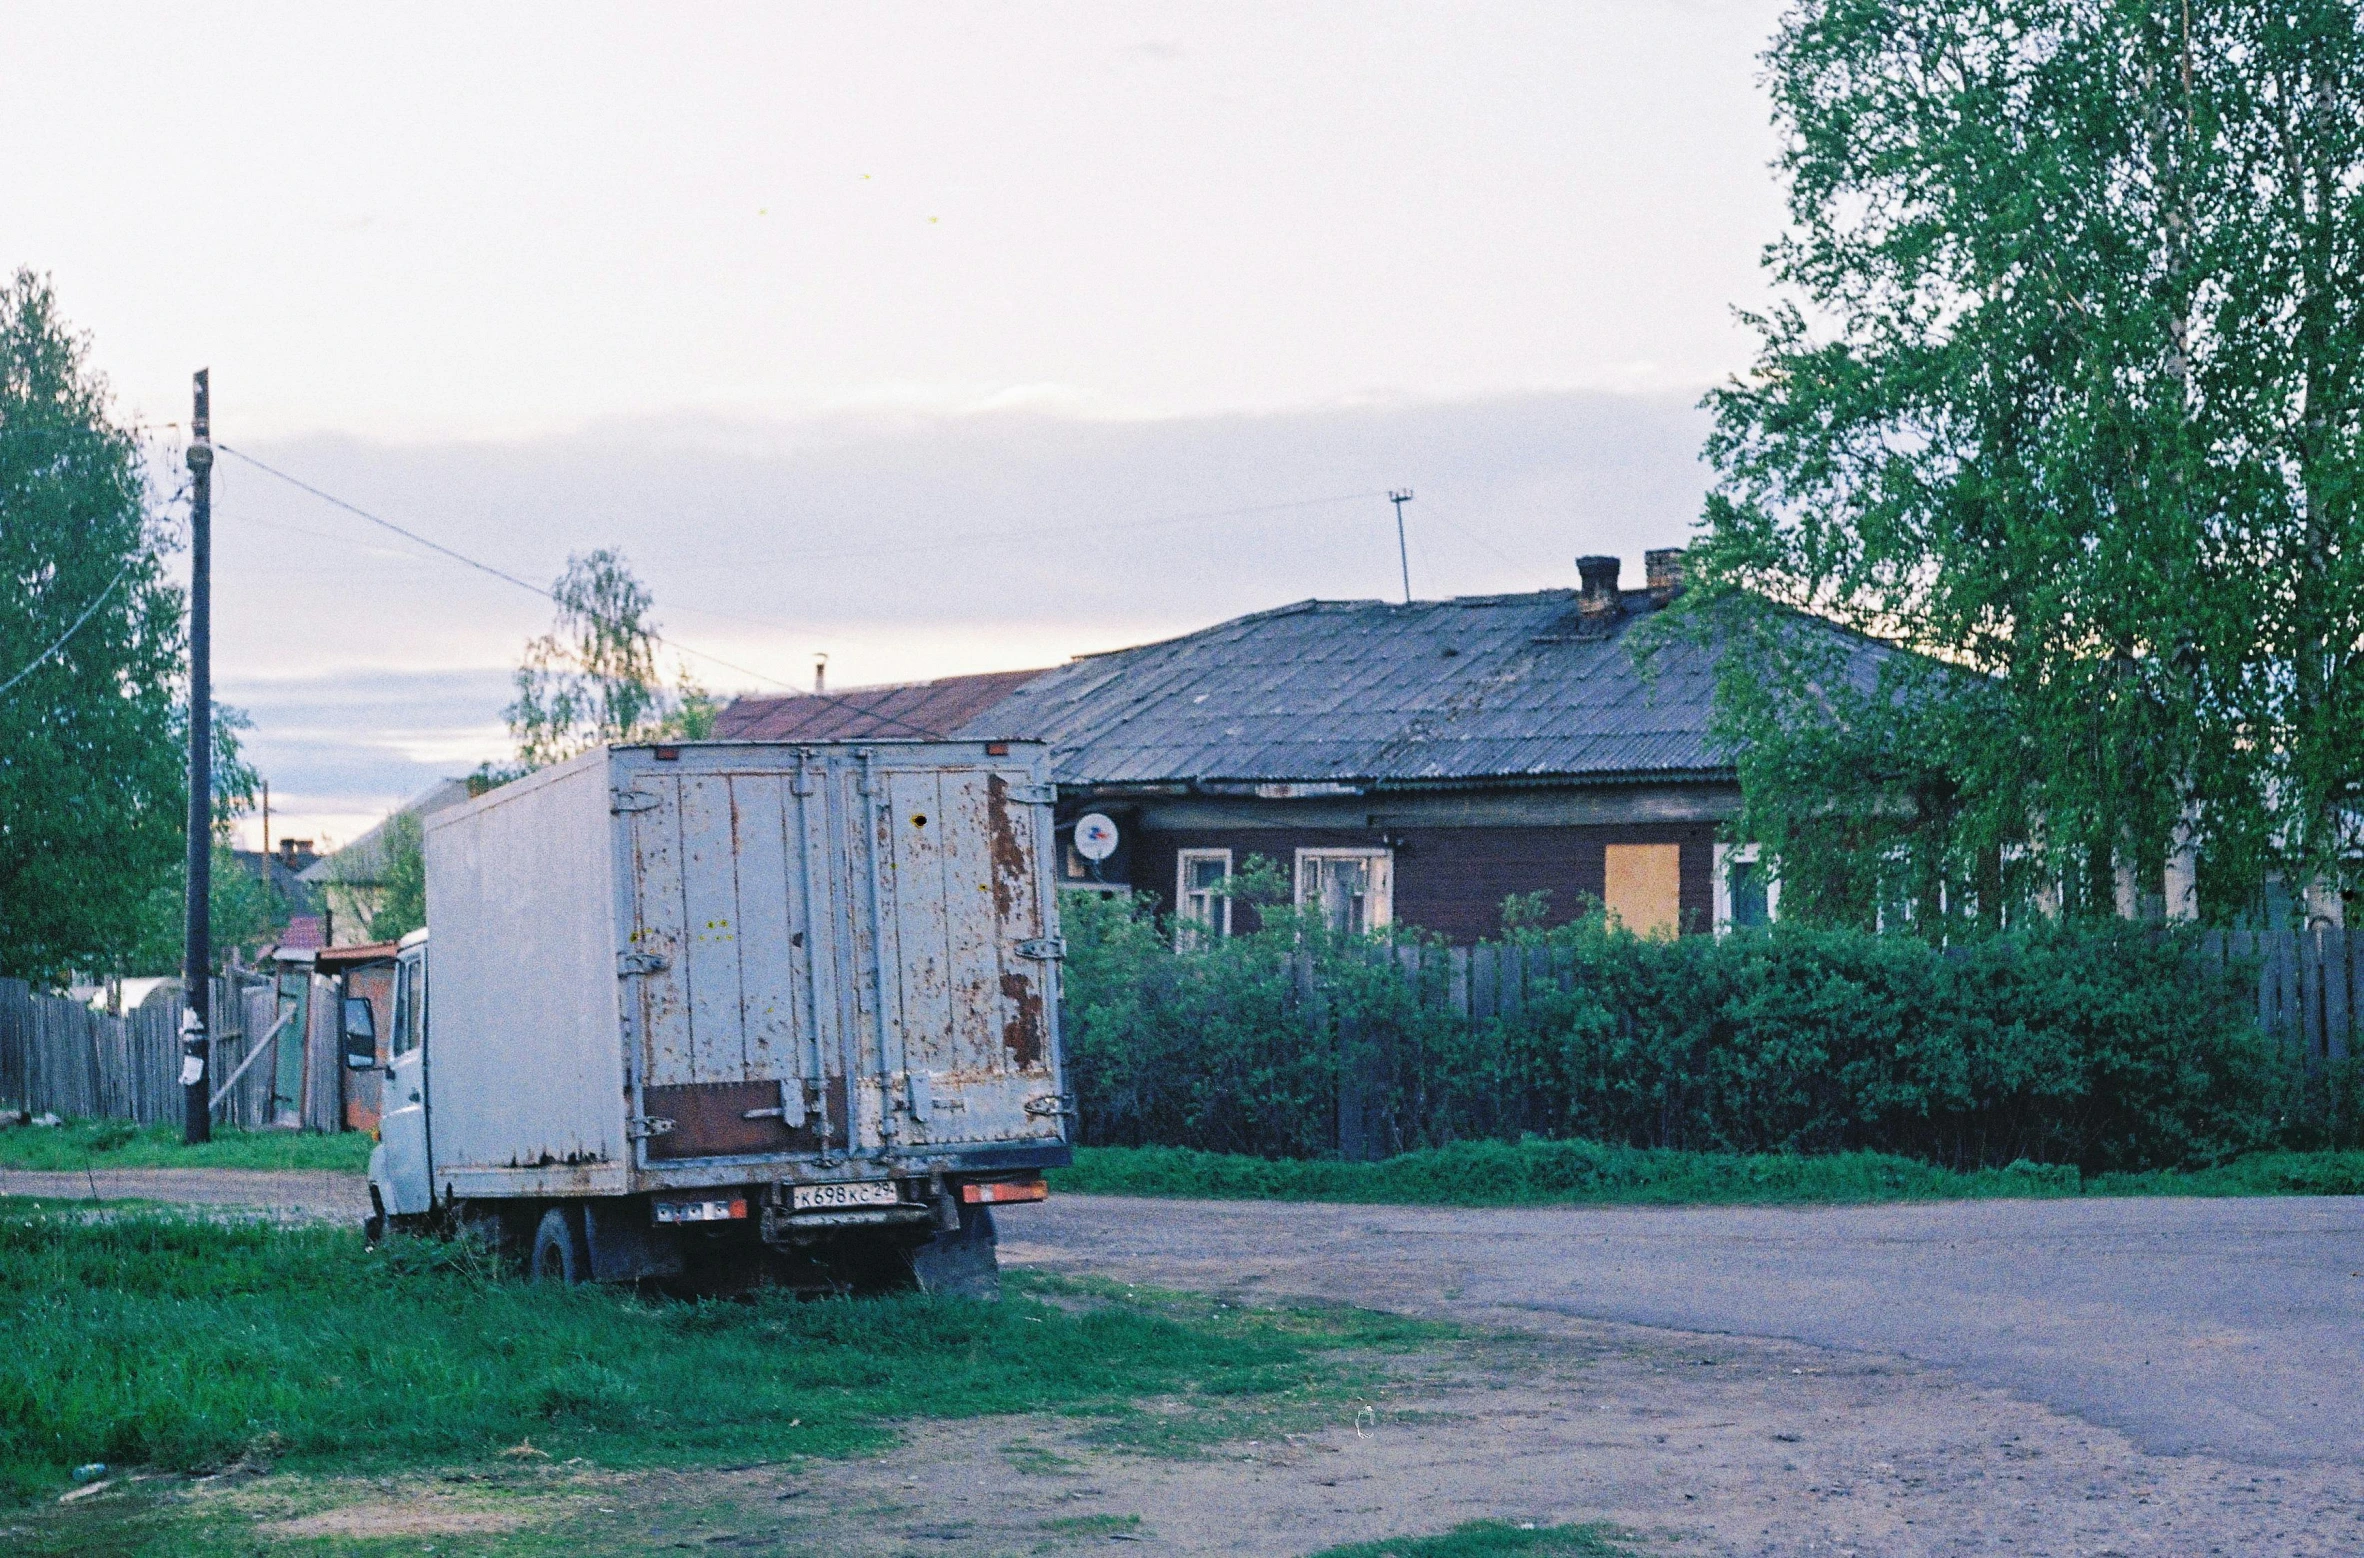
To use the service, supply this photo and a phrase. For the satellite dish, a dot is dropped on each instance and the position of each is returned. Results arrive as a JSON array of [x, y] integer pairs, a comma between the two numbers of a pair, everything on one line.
[[1095, 836]]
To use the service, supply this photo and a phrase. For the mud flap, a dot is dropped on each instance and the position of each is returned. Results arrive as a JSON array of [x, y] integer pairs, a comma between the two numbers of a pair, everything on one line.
[[625, 1245], [959, 1262]]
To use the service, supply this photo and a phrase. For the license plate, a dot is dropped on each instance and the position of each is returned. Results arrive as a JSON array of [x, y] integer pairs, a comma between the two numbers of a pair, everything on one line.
[[871, 1192]]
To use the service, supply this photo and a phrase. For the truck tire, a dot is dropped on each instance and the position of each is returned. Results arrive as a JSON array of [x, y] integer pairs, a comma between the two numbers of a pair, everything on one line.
[[559, 1257], [960, 1262]]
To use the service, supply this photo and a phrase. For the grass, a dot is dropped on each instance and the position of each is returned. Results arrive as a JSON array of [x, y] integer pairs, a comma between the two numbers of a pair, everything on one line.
[[1093, 1525], [119, 1144], [1493, 1539], [1546, 1173], [150, 1340]]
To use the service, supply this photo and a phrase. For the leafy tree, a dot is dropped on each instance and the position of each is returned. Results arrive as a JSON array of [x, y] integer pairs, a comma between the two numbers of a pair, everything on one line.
[[92, 727], [402, 879], [592, 680], [2065, 391], [247, 915]]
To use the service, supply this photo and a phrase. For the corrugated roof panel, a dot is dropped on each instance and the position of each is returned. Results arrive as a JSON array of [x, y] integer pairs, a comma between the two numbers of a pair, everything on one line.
[[1490, 686], [1437, 691], [920, 709]]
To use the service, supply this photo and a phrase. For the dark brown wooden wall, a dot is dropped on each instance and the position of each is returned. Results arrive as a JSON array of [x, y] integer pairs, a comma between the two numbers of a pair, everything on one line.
[[1452, 880]]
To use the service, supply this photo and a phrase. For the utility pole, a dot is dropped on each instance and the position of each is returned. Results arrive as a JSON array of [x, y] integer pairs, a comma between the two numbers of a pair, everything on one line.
[[1402, 555], [197, 968]]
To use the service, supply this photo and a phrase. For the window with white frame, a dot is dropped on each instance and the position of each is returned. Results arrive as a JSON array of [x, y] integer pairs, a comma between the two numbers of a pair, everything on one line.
[[1353, 888], [1200, 877], [1747, 895]]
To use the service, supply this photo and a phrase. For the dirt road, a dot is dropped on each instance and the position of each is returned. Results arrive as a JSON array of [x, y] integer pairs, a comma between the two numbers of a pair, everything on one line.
[[338, 1197], [2145, 1378], [2234, 1327]]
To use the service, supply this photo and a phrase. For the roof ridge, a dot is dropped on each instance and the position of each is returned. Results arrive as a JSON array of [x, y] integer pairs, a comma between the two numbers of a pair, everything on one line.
[[886, 687]]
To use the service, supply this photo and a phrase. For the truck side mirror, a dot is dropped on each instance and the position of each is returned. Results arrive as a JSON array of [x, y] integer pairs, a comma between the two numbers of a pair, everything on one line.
[[361, 1034]]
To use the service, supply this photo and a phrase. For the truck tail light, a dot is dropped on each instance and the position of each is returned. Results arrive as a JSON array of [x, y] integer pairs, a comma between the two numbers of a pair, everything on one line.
[[702, 1211], [994, 1191]]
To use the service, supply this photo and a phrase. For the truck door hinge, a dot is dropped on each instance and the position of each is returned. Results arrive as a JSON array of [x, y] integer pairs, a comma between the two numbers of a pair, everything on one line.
[[630, 963], [1051, 1104], [1035, 794], [620, 802], [640, 1127], [1043, 949]]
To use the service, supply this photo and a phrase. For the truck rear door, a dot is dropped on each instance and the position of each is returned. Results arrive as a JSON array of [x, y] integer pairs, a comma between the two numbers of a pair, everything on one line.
[[726, 947], [966, 950], [837, 950]]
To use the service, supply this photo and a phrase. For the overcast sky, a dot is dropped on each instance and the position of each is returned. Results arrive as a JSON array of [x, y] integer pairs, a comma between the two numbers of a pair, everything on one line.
[[937, 338]]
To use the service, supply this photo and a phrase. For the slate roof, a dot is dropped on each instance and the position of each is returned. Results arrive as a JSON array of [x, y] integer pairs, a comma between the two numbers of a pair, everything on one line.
[[909, 709], [1475, 689], [1494, 687]]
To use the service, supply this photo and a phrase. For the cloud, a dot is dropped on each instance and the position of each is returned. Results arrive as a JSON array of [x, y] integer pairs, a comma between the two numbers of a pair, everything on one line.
[[904, 544]]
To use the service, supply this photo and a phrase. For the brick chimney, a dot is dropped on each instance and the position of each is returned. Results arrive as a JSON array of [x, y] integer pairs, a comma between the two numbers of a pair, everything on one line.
[[1664, 568], [1597, 599]]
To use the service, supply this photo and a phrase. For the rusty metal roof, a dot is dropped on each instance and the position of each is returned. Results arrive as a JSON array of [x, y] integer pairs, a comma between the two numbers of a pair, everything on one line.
[[906, 709], [1496, 687], [338, 959]]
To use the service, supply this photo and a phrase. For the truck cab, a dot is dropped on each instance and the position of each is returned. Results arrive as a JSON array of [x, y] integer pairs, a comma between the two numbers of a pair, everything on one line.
[[399, 1180]]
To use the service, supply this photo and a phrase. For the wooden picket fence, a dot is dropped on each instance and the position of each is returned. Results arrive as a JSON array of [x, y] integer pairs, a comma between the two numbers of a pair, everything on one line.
[[59, 1056], [2310, 984]]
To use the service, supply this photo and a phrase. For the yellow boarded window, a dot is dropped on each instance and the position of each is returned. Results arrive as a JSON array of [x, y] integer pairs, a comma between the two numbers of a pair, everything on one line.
[[1644, 887]]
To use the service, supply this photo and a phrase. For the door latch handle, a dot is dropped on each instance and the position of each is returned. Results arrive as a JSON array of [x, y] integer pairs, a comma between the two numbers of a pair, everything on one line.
[[790, 1110]]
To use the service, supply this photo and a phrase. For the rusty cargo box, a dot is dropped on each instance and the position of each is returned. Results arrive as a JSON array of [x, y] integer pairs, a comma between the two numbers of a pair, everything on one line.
[[715, 963]]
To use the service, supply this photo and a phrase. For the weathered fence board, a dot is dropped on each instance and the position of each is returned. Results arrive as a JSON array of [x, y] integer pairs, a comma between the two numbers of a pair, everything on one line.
[[324, 1060], [59, 1056]]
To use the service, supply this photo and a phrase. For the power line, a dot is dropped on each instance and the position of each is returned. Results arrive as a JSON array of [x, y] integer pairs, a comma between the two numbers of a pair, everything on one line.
[[506, 577], [1095, 528], [88, 612], [1467, 533]]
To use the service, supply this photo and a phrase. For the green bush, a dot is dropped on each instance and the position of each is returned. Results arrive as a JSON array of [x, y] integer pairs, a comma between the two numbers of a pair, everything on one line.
[[2111, 1048]]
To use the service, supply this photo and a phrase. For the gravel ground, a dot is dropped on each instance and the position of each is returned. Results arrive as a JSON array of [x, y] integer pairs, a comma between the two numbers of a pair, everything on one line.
[[340, 1197], [2234, 1327]]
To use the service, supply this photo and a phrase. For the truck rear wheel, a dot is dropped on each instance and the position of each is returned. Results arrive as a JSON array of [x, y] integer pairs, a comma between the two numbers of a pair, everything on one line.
[[559, 1257], [960, 1262]]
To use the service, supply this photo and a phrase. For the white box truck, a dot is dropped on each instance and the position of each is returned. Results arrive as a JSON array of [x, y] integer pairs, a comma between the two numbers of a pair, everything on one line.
[[734, 1010]]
